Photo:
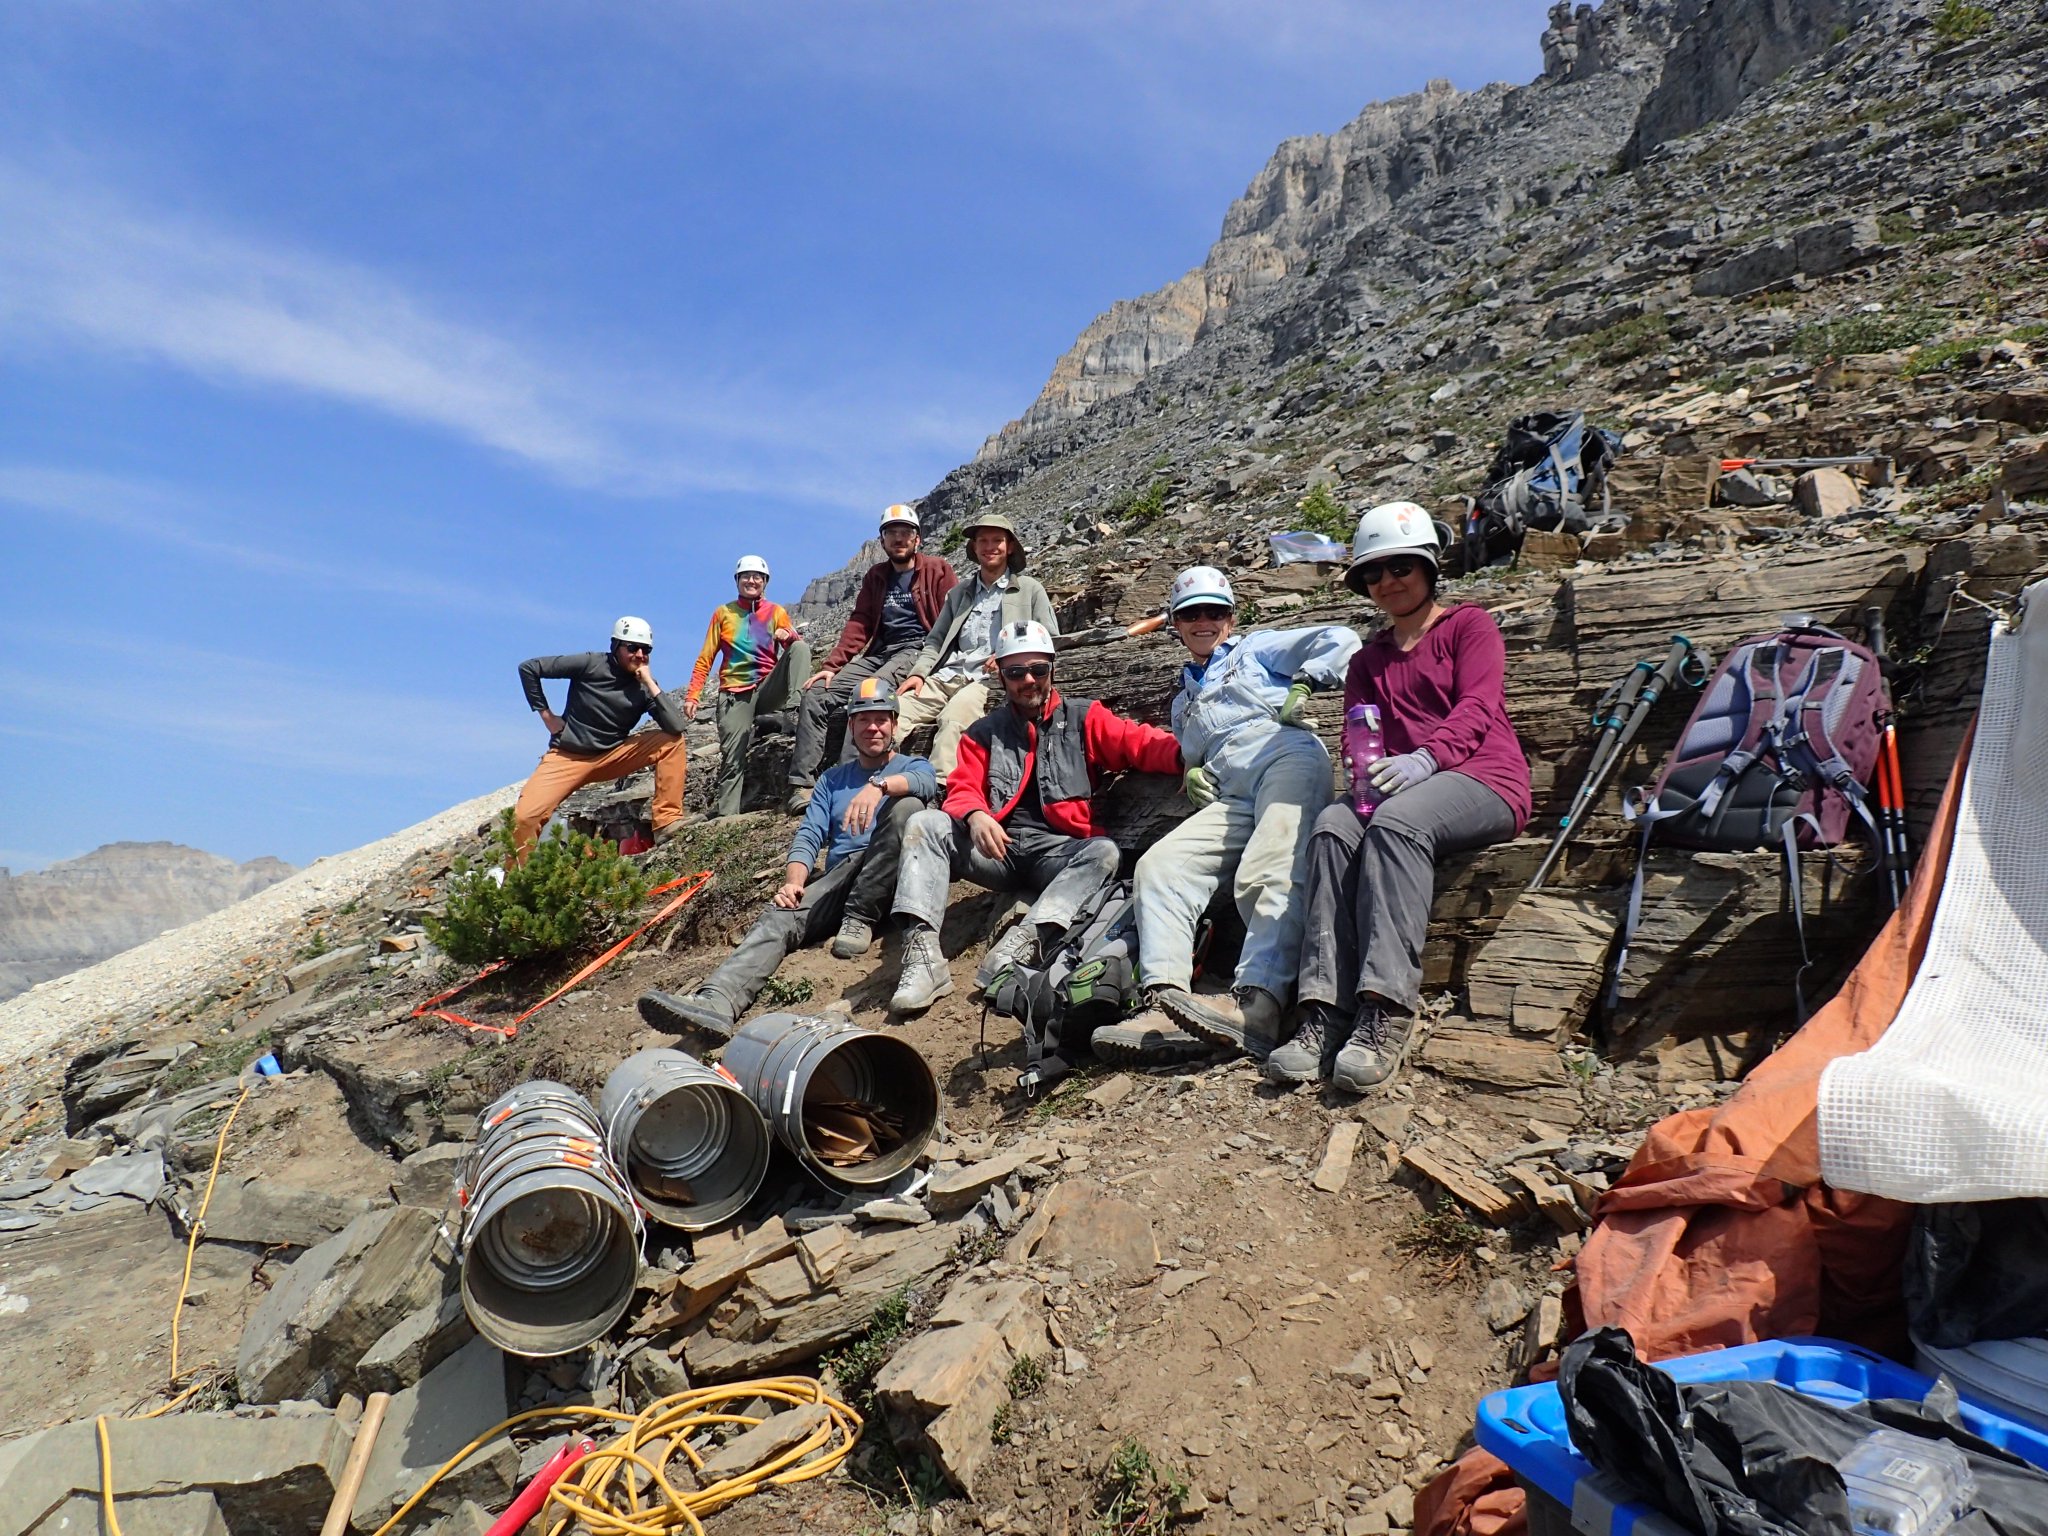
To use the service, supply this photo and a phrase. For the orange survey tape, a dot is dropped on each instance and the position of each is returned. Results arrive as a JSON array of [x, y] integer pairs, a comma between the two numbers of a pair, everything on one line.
[[686, 887]]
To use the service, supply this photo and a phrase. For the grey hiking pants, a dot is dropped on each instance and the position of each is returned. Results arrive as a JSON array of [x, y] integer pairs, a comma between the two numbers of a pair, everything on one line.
[[859, 885], [827, 702], [1063, 872], [736, 711], [1371, 882]]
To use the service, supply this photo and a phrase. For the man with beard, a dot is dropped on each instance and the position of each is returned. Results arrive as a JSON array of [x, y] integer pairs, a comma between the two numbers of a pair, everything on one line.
[[1019, 814], [592, 740], [892, 614]]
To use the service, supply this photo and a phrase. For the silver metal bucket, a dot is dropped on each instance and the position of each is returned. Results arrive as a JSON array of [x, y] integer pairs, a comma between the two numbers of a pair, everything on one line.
[[550, 1245], [689, 1141], [792, 1066]]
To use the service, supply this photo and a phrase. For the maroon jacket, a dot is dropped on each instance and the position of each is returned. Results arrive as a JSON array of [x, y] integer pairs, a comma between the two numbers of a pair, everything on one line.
[[934, 578]]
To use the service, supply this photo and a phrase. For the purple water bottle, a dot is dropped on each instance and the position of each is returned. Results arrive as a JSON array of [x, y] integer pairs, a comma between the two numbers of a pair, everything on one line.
[[1363, 748]]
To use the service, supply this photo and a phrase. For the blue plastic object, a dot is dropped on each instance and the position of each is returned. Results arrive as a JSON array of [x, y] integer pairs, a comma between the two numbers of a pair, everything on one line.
[[266, 1066], [1525, 1426]]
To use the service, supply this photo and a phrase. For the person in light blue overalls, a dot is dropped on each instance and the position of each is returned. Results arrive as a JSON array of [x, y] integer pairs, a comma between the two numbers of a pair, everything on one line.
[[1257, 778]]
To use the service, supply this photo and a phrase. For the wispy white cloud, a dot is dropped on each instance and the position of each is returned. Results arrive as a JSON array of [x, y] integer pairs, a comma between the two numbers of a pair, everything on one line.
[[166, 516], [81, 267]]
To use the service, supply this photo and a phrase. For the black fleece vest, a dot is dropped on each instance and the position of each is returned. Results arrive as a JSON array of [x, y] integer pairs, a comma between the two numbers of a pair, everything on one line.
[[1062, 754]]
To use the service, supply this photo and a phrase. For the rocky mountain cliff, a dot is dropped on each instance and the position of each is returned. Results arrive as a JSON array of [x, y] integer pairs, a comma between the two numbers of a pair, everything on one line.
[[81, 911], [1721, 194]]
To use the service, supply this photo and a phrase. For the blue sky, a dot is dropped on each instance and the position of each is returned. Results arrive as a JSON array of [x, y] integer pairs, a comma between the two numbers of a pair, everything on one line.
[[352, 352]]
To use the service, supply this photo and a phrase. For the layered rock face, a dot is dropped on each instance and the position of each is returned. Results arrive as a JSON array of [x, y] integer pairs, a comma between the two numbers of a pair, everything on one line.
[[79, 912], [1328, 187]]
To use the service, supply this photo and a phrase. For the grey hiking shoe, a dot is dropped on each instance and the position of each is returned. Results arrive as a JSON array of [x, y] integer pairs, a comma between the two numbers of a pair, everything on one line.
[[1305, 1058], [1247, 1019], [700, 1010], [1379, 1040], [799, 799], [854, 936], [1147, 1039], [925, 978], [1017, 946]]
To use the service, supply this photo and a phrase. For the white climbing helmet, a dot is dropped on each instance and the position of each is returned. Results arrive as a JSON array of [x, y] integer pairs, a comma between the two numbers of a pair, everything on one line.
[[900, 515], [751, 565], [1200, 584], [1025, 637], [633, 631], [1398, 527]]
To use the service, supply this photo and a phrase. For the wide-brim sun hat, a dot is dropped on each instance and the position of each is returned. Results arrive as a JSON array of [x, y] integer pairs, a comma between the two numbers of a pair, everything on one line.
[[1001, 524]]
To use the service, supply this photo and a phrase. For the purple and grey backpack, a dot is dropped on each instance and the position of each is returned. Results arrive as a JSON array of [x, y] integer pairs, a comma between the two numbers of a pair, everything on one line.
[[1780, 752]]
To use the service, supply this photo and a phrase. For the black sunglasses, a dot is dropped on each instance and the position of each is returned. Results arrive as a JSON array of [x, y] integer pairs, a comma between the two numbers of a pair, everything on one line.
[[1200, 611], [1038, 671], [635, 645], [1400, 568]]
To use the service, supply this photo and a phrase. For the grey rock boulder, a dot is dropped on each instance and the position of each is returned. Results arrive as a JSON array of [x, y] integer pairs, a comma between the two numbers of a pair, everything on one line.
[[305, 1337]]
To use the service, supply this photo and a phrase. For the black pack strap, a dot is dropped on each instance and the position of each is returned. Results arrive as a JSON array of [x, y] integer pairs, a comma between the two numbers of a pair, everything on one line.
[[1788, 836], [1629, 921]]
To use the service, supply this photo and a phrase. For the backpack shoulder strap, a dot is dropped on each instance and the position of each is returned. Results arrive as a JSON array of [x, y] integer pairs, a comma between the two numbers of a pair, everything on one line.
[[1759, 668]]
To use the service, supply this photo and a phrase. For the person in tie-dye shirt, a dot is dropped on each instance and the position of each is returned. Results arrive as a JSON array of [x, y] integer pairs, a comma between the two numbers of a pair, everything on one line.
[[766, 665]]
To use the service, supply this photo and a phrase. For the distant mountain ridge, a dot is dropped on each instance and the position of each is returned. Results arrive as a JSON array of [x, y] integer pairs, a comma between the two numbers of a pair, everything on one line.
[[83, 910]]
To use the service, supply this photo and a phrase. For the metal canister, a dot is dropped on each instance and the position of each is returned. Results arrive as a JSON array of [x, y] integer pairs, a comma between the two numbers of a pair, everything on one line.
[[793, 1067], [690, 1142], [550, 1244]]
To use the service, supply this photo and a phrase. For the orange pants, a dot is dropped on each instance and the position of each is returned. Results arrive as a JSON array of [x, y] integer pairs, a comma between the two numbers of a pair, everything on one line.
[[559, 774]]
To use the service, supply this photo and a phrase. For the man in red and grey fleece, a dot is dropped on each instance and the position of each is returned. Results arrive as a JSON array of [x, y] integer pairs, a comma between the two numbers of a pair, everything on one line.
[[1019, 814]]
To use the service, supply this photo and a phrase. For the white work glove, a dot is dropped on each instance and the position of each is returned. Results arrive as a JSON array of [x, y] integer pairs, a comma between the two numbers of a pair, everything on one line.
[[1391, 775], [1199, 785]]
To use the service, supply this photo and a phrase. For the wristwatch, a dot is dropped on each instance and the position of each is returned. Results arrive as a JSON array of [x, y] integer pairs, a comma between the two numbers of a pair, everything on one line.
[[879, 779]]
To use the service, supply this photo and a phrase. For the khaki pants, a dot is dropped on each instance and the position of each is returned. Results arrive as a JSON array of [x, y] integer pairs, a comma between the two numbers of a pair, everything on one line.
[[560, 774], [956, 703], [782, 687]]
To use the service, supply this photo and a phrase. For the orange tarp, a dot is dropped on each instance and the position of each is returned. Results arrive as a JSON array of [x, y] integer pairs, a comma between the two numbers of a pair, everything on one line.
[[1720, 1232]]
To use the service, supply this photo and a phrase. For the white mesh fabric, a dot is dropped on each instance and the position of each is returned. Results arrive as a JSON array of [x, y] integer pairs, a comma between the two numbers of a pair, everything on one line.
[[1952, 1104]]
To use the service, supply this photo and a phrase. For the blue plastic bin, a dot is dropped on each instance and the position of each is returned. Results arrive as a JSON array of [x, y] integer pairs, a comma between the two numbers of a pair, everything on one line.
[[1525, 1427]]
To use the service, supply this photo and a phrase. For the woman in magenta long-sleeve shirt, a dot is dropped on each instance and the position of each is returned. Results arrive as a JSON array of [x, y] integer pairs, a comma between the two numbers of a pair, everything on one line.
[[1454, 778]]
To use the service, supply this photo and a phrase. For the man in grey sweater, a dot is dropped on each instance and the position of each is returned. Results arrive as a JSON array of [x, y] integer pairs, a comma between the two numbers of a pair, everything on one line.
[[592, 740]]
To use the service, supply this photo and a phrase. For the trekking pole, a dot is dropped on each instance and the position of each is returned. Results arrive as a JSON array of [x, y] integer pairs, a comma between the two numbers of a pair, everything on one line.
[[1894, 848], [1618, 716]]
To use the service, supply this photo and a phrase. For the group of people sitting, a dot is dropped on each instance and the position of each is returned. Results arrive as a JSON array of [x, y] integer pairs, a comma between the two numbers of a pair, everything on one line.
[[1334, 892]]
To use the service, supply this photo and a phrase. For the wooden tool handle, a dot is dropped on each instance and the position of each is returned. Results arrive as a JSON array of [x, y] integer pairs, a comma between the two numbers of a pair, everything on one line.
[[358, 1463]]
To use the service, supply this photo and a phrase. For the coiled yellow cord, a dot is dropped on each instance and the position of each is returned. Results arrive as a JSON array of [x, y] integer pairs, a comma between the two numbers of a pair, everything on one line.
[[590, 1491]]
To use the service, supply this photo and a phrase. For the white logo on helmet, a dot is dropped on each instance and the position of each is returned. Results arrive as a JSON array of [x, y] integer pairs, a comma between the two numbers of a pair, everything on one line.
[[1026, 637]]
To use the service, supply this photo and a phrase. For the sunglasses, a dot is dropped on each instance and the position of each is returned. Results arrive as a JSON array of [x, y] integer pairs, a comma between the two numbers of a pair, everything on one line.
[[1400, 568], [1200, 612], [634, 645], [1037, 671]]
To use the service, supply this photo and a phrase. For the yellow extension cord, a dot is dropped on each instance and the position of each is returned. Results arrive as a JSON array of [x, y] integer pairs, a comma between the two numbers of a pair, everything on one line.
[[599, 1491], [586, 1492]]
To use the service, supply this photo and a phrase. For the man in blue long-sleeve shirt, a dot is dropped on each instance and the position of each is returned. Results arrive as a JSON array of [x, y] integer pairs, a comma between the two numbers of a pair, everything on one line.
[[856, 817]]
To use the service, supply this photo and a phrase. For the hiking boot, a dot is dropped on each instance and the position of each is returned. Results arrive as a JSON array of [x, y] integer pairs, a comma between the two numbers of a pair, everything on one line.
[[924, 979], [1379, 1040], [668, 829], [1305, 1058], [854, 936], [1017, 946], [1148, 1039], [700, 1010], [1247, 1019], [799, 799]]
